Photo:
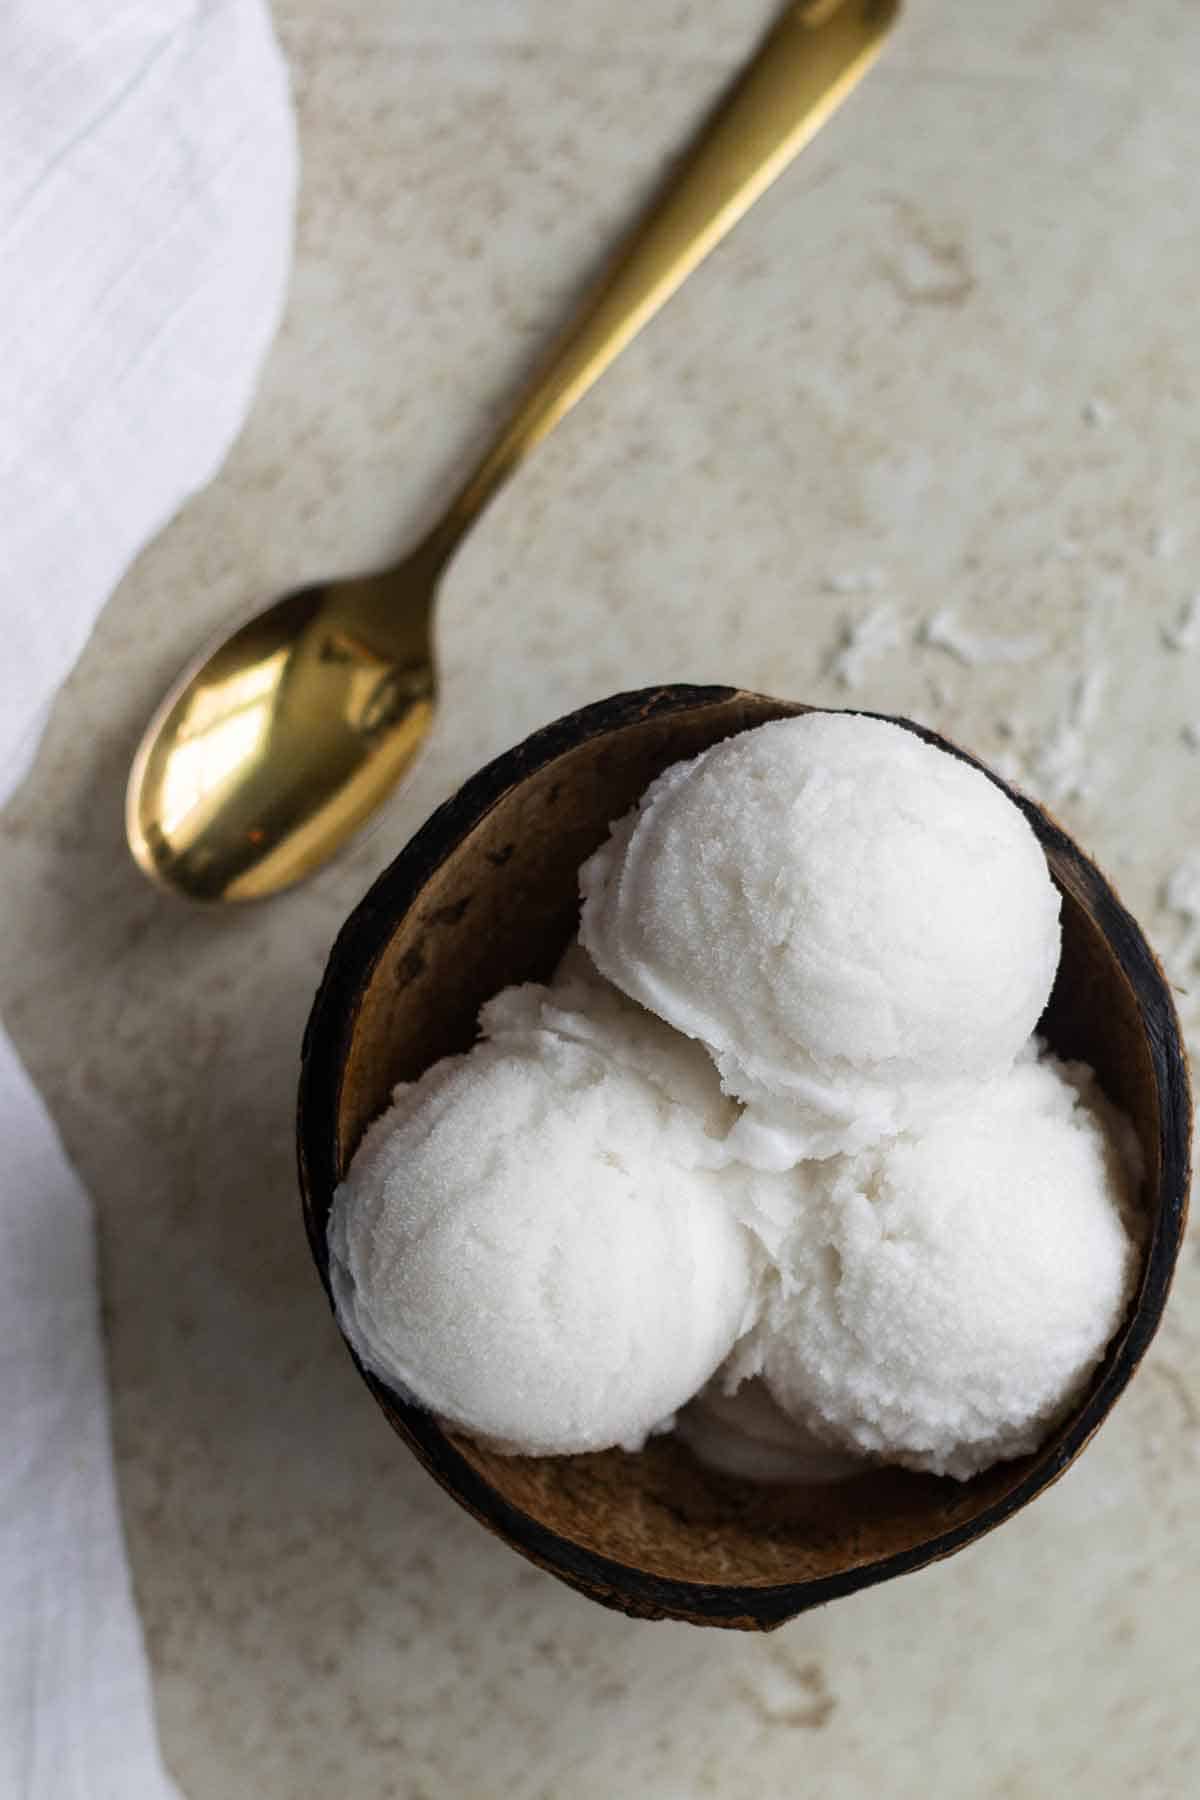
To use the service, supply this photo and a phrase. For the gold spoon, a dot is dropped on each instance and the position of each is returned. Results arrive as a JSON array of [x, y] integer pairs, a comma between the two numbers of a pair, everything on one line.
[[277, 744]]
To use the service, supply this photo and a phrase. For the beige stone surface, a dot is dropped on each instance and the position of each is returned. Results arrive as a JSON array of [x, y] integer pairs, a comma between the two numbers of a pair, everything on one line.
[[950, 361]]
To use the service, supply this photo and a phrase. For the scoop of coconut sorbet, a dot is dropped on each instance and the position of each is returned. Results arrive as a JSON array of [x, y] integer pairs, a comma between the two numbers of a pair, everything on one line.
[[859, 926], [946, 1296], [530, 1242]]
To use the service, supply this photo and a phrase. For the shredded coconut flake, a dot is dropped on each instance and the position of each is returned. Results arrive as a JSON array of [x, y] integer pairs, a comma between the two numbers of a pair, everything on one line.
[[1181, 895], [1098, 413], [862, 642], [942, 631], [1061, 767], [1184, 631], [854, 581]]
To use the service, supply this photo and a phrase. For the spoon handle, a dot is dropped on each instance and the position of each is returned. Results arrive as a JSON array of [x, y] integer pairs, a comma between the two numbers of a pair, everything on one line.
[[811, 59]]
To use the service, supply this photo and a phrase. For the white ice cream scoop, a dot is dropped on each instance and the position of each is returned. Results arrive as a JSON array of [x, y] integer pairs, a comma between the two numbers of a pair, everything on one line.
[[528, 1245], [854, 922], [947, 1296]]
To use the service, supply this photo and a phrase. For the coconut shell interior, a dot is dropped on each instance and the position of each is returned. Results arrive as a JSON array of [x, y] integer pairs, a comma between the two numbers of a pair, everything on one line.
[[486, 894]]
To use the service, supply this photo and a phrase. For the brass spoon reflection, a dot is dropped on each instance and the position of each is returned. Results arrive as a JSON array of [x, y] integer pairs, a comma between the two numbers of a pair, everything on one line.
[[275, 747]]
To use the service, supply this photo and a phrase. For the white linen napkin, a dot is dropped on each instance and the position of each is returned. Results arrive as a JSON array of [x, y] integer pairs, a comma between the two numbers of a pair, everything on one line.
[[147, 175]]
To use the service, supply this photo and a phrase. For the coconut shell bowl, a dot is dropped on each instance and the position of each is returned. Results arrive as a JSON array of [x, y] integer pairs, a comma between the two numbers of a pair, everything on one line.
[[485, 894]]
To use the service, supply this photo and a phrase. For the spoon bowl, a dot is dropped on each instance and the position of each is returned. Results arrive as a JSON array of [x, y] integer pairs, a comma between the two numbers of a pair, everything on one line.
[[487, 894], [282, 739]]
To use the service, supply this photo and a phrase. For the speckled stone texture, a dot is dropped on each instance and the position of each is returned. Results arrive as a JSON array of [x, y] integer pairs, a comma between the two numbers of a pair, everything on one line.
[[949, 361]]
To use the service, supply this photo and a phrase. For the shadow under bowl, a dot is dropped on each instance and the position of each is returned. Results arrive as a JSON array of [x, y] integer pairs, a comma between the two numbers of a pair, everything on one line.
[[485, 894]]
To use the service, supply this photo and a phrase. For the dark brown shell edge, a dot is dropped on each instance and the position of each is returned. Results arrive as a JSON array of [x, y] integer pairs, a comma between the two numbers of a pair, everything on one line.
[[639, 1592]]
